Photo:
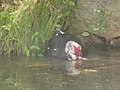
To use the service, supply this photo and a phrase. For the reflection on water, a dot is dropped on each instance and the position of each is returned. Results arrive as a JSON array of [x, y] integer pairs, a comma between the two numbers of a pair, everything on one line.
[[100, 72]]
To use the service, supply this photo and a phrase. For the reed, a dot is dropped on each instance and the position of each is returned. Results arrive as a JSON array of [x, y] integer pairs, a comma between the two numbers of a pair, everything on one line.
[[25, 27]]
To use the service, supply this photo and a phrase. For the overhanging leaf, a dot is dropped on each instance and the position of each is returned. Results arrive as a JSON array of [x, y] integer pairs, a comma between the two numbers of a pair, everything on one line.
[[85, 34]]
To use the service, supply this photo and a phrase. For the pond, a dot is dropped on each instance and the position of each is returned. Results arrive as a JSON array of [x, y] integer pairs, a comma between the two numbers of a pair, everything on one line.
[[100, 72]]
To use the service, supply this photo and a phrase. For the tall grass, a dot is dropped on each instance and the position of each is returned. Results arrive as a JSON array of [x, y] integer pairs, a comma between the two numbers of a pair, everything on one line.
[[24, 28]]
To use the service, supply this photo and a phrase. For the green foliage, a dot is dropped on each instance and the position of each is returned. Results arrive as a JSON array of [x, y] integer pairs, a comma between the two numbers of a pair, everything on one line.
[[24, 28], [85, 34], [101, 24]]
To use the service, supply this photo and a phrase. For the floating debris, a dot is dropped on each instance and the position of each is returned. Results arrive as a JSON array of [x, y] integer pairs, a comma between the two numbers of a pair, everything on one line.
[[89, 70]]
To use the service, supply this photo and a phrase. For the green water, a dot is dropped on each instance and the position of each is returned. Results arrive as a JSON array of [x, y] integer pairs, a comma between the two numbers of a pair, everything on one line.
[[38, 73]]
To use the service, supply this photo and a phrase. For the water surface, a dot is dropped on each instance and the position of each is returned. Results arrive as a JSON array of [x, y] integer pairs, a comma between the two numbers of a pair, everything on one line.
[[38, 73]]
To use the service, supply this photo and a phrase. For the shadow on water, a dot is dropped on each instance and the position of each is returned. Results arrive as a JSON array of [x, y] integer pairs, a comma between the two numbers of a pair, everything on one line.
[[38, 73]]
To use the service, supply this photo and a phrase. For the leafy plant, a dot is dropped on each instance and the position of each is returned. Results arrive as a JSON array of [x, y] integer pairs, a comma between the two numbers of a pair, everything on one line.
[[27, 26]]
